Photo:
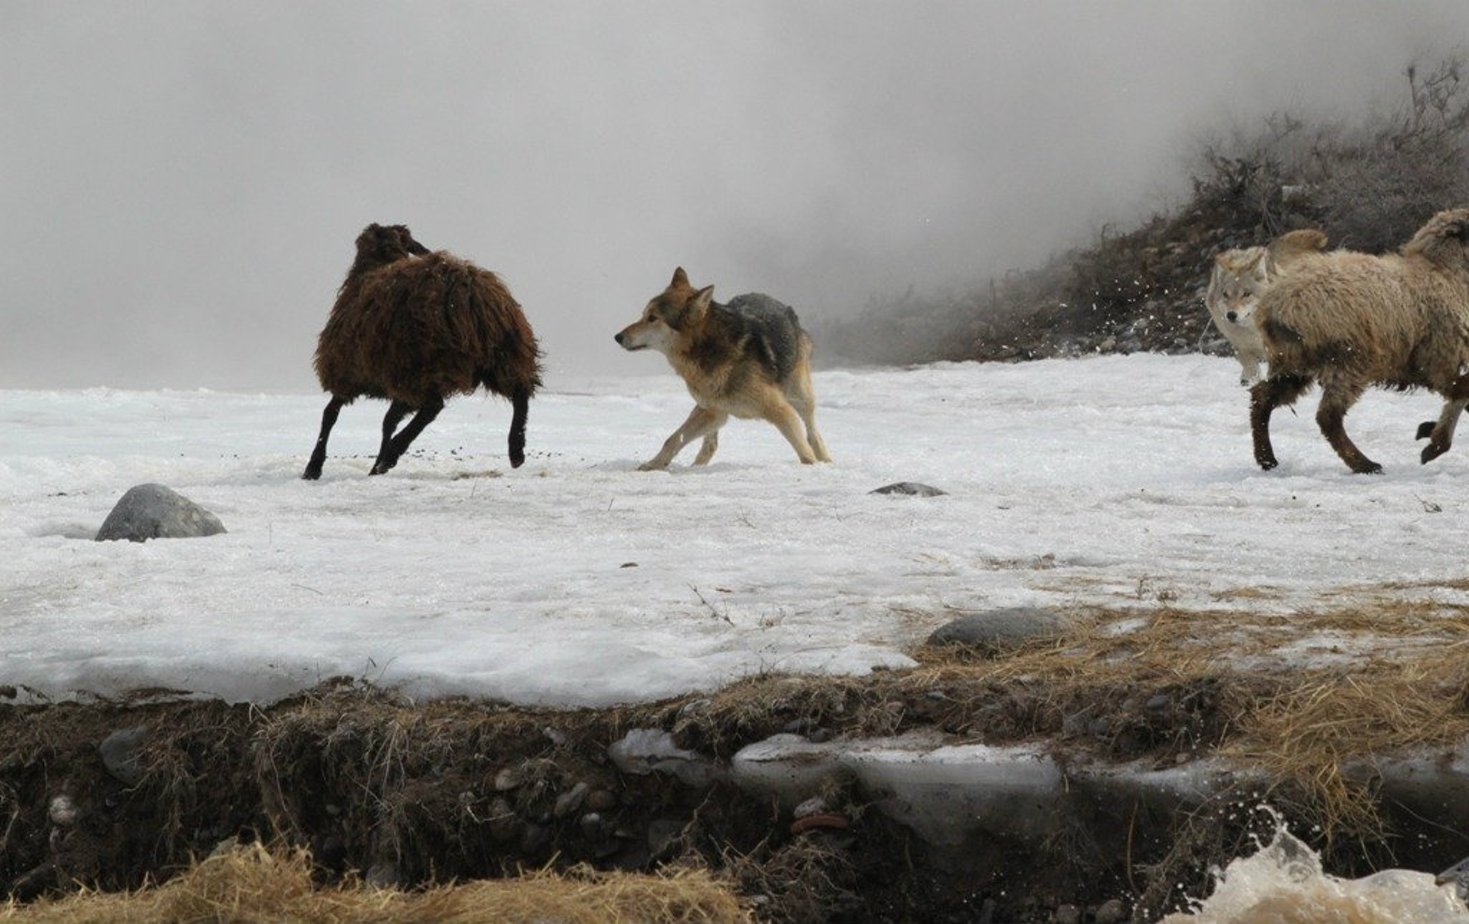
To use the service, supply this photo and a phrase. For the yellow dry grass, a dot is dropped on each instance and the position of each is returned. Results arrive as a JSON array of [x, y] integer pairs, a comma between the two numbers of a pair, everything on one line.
[[254, 885], [1308, 698]]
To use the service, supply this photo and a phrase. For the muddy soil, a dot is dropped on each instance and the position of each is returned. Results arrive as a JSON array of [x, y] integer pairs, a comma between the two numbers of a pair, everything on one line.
[[406, 794]]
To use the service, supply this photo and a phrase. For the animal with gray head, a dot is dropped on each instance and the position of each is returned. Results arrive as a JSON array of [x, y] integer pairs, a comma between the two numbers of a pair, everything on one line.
[[1349, 321], [1235, 284]]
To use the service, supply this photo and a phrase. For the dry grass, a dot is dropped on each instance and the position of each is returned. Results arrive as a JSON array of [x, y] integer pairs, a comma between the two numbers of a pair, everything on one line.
[[1309, 698], [253, 884]]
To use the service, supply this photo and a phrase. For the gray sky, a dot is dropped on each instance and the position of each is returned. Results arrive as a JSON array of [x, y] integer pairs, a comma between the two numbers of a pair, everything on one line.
[[181, 182]]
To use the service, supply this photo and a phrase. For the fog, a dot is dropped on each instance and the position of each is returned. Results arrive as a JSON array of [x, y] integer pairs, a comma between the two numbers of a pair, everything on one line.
[[181, 182]]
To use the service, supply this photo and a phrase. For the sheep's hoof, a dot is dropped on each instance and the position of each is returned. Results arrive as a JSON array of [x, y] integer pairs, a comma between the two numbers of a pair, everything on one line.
[[311, 474], [651, 467], [1425, 430], [1431, 451], [517, 459], [1367, 468], [1266, 462]]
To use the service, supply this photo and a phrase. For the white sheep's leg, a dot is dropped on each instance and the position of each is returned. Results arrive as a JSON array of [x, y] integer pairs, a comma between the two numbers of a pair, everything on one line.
[[1265, 397], [1337, 397], [1440, 434], [700, 422]]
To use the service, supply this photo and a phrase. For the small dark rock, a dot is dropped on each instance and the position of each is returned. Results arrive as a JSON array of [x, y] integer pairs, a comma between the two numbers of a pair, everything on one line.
[[1000, 630], [152, 511], [535, 838], [910, 488], [663, 832], [504, 823], [384, 875], [600, 800], [593, 826], [571, 800], [122, 754], [1111, 911], [1067, 914]]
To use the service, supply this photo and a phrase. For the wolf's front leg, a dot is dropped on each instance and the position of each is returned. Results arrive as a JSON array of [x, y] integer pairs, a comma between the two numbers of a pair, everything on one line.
[[700, 422]]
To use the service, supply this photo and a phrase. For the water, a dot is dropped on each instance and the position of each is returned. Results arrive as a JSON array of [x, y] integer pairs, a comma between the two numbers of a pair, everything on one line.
[[1283, 883]]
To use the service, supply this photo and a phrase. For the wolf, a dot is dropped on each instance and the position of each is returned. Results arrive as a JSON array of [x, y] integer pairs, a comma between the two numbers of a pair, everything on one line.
[[1236, 283], [749, 359]]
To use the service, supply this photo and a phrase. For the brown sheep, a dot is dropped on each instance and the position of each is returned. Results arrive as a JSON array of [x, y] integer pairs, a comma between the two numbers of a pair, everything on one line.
[[414, 327], [1350, 321]]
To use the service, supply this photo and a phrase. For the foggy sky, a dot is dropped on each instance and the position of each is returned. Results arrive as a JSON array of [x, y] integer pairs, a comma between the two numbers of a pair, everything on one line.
[[181, 182]]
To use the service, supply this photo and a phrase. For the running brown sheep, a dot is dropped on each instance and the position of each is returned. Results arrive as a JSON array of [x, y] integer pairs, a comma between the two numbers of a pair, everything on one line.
[[413, 327], [1350, 321]]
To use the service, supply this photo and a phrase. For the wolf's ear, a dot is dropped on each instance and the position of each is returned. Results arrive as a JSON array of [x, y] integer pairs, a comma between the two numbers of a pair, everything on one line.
[[680, 278], [698, 306]]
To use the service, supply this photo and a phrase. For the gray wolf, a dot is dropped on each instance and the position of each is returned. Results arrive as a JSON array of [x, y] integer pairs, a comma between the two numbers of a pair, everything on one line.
[[1238, 278], [748, 359]]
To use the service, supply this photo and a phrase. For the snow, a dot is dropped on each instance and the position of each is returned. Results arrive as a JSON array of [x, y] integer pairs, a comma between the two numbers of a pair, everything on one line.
[[1113, 480]]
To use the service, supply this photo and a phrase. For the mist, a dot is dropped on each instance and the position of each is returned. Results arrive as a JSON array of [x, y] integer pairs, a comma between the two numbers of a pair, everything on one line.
[[181, 182]]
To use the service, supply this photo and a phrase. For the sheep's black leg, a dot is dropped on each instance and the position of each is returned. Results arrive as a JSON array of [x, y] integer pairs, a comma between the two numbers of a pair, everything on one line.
[[1336, 398], [520, 402], [1265, 397], [318, 455], [395, 447], [396, 412]]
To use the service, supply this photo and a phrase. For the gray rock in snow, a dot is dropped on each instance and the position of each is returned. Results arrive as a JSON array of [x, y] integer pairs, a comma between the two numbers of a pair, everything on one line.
[[1000, 630], [911, 488], [152, 511]]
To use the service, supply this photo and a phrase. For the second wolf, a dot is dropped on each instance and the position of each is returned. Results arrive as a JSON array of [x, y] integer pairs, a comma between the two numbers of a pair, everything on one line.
[[1236, 284], [749, 359]]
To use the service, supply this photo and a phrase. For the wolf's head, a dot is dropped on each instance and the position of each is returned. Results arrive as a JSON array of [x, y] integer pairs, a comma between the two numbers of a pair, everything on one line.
[[670, 317], [1235, 285], [1240, 276]]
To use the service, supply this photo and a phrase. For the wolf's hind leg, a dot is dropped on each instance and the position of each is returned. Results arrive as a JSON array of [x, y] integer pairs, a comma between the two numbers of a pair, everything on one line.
[[803, 399], [779, 411]]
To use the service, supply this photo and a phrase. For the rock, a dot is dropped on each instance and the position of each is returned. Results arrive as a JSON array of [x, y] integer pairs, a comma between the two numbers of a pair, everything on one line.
[[910, 488], [1000, 630], [226, 846], [571, 800], [812, 806], [534, 839], [152, 511], [663, 832], [601, 800], [504, 823], [645, 750], [593, 827], [1111, 911], [122, 754], [508, 779], [1108, 345], [383, 875], [62, 811], [1067, 914]]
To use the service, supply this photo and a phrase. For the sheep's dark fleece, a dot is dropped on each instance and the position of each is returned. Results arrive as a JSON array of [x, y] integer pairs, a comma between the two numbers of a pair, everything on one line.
[[414, 327]]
